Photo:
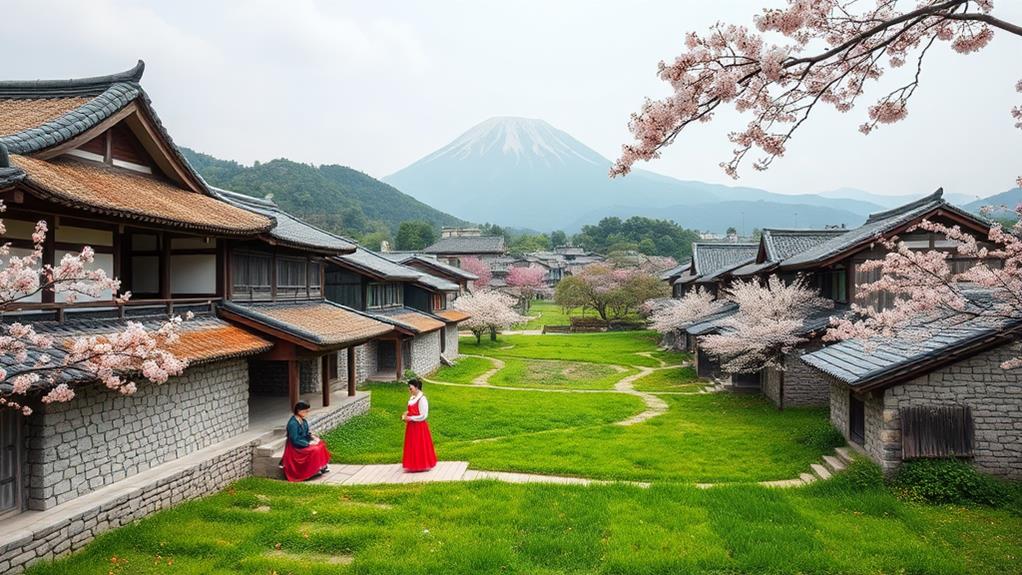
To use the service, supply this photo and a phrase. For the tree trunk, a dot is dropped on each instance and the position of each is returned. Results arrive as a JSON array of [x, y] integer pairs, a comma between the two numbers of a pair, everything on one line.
[[493, 334], [479, 336]]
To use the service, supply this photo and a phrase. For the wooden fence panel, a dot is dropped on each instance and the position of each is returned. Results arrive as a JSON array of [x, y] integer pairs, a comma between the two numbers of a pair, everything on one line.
[[934, 431]]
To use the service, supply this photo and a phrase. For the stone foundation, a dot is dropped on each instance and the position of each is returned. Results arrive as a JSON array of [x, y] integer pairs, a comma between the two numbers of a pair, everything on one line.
[[102, 437], [451, 349], [426, 353], [803, 386]]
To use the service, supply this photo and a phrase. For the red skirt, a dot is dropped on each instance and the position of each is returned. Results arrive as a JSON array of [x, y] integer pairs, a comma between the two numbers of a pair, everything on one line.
[[301, 463], [419, 454]]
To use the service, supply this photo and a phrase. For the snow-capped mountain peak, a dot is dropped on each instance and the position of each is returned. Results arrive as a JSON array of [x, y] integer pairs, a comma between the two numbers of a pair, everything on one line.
[[528, 140]]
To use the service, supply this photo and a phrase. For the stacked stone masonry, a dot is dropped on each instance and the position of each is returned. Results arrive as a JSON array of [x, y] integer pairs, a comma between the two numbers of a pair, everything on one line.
[[426, 353], [102, 437], [993, 394], [76, 531], [361, 364], [803, 386], [451, 349]]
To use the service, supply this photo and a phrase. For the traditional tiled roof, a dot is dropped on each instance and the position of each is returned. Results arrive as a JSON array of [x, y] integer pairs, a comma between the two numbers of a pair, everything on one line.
[[711, 322], [374, 264], [688, 276], [453, 315], [318, 324], [674, 272], [712, 259], [783, 244], [896, 360], [467, 245], [438, 284], [879, 223], [751, 269], [431, 262], [38, 115], [108, 190], [203, 339], [289, 230], [410, 319]]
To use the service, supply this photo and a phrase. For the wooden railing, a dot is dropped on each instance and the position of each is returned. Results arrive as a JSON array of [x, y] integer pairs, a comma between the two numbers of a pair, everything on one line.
[[60, 308]]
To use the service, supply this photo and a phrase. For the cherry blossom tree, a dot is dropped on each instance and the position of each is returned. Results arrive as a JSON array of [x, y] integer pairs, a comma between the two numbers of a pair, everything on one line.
[[612, 291], [766, 325], [491, 311], [528, 281], [476, 266], [927, 294], [107, 358], [831, 50], [676, 314]]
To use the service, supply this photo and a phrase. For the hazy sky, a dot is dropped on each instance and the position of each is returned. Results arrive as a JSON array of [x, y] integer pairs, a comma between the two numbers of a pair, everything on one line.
[[377, 85]]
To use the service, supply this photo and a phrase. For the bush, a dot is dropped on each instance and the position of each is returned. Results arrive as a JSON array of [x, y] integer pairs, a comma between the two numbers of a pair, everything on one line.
[[822, 437], [948, 481]]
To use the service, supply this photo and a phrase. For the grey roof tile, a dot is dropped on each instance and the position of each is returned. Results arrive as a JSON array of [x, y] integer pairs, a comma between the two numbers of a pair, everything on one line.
[[467, 245], [375, 264], [432, 262], [712, 259], [288, 228]]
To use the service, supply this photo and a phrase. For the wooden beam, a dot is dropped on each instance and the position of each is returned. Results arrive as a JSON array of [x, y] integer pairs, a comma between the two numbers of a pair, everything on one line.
[[292, 382], [351, 371], [325, 378], [398, 360]]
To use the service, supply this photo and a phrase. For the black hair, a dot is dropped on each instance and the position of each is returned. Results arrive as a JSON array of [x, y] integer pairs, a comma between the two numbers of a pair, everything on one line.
[[416, 382], [301, 405]]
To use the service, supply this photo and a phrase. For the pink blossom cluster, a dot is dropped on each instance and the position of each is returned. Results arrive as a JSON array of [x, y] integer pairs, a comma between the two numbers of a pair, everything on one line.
[[476, 266], [833, 49], [490, 310], [676, 314], [107, 358], [766, 325], [927, 293], [526, 278]]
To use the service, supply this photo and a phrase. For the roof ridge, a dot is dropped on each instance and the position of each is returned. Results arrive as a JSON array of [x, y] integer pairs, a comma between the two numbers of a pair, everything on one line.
[[936, 196], [90, 86]]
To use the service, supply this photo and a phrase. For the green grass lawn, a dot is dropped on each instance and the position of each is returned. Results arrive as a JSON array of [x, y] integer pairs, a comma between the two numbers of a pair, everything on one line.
[[462, 415], [546, 312], [553, 374], [674, 379], [262, 527], [464, 370], [612, 347]]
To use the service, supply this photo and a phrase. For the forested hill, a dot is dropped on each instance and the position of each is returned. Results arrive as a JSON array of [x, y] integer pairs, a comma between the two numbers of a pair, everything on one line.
[[335, 198]]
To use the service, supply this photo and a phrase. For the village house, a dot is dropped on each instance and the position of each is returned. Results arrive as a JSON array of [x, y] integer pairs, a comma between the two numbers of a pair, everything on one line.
[[407, 299], [92, 159], [457, 243], [671, 276], [710, 261], [433, 266], [943, 395]]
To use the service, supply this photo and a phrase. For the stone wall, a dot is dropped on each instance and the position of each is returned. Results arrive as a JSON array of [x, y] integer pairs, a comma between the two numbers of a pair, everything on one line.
[[993, 394], [452, 349], [140, 500], [361, 365], [371, 357], [103, 436], [310, 375], [425, 353], [803, 385], [838, 405]]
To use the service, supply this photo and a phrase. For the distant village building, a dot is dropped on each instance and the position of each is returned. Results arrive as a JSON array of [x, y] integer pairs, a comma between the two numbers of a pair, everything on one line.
[[457, 243]]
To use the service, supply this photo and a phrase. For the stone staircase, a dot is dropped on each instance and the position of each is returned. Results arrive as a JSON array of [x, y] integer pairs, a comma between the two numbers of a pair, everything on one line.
[[831, 464], [266, 456]]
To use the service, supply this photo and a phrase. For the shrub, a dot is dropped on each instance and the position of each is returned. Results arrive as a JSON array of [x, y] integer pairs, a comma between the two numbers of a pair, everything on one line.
[[822, 437], [948, 481]]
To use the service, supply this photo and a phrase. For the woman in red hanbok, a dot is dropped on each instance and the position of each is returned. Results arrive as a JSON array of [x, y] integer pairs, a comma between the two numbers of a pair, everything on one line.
[[419, 454], [305, 455]]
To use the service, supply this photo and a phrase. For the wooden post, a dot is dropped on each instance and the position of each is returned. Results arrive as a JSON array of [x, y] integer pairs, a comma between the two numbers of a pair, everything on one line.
[[325, 377], [351, 371], [398, 360], [292, 381]]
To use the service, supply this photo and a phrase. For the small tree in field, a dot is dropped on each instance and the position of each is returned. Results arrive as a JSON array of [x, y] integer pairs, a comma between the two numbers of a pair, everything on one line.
[[612, 292], [766, 325], [106, 358], [491, 311], [834, 48], [528, 281], [676, 314], [477, 267], [923, 286]]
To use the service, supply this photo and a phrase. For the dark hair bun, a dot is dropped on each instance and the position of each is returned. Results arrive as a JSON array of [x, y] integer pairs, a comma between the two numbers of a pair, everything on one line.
[[301, 405], [416, 382]]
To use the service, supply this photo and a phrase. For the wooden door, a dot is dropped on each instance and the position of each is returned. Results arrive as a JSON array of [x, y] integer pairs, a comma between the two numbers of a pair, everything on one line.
[[10, 462], [856, 420]]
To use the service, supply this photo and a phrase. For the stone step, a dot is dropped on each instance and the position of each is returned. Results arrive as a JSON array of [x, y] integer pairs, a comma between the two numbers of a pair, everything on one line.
[[844, 453], [833, 463], [807, 477], [820, 471]]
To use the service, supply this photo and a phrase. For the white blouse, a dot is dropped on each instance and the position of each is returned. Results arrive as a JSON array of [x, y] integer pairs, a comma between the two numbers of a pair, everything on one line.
[[423, 408]]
